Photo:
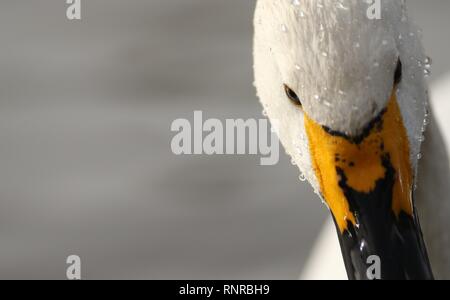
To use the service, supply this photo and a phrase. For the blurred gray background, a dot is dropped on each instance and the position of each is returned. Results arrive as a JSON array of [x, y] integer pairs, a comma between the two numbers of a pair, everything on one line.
[[86, 166]]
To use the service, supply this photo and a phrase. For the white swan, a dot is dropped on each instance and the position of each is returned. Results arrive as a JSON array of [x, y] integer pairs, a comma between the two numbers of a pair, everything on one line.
[[348, 95]]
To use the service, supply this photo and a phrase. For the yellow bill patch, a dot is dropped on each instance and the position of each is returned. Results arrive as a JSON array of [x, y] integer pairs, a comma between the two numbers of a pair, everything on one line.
[[361, 160]]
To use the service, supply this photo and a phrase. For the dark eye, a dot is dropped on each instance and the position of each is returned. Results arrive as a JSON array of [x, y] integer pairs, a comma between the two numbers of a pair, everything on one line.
[[398, 72], [292, 96]]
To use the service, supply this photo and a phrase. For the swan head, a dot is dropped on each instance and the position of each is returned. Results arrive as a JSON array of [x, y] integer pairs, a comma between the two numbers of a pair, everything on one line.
[[348, 98]]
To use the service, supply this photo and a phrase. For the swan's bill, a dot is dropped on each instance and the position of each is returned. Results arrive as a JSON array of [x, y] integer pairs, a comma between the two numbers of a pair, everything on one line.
[[367, 182]]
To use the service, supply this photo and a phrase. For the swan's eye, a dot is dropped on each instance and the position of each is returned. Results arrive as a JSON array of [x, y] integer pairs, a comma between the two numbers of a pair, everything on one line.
[[398, 73], [292, 96]]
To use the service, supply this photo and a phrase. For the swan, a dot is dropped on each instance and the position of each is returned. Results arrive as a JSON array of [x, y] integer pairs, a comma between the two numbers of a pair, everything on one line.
[[347, 96]]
